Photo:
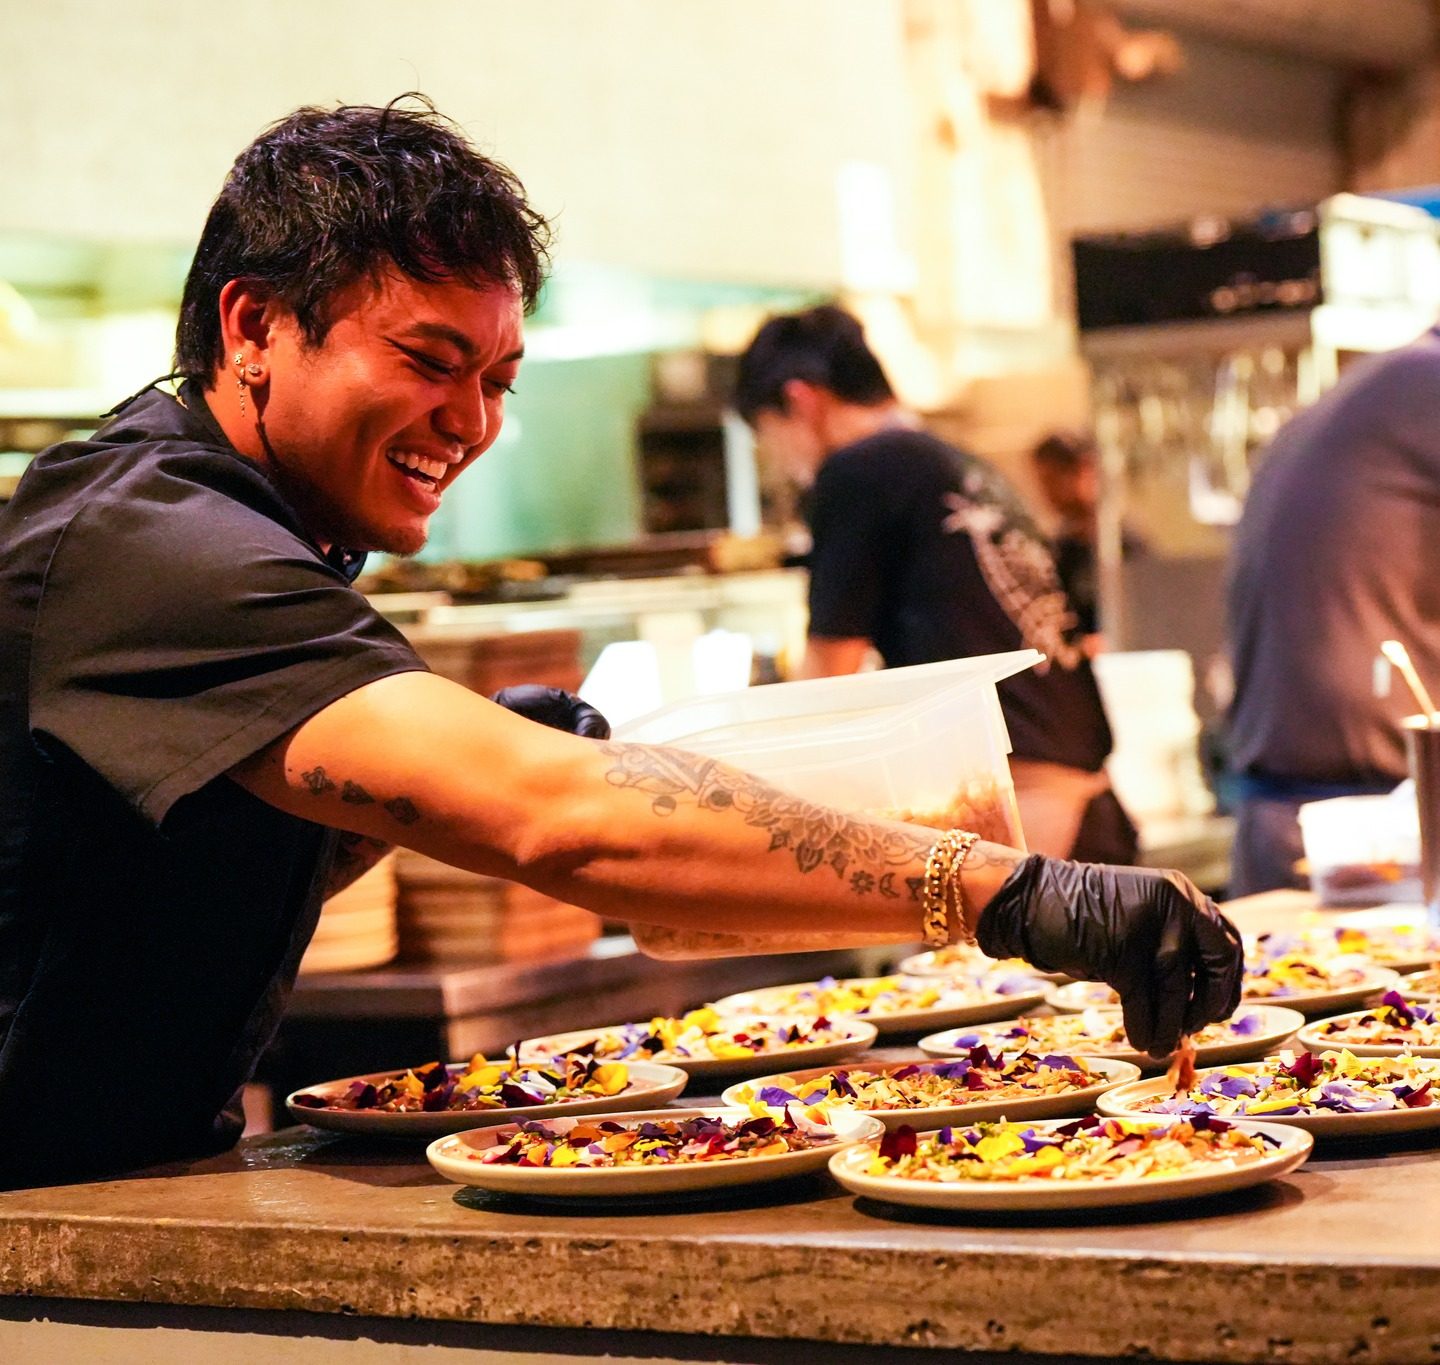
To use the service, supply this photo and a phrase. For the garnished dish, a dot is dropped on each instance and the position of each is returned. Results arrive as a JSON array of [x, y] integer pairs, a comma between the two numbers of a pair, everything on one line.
[[705, 1043], [965, 959], [440, 1098], [981, 1085], [1393, 1026], [897, 1004], [1299, 973], [1311, 985], [1315, 984], [664, 1151], [1402, 943], [1421, 983], [1087, 1162], [1100, 1032], [1334, 1093]]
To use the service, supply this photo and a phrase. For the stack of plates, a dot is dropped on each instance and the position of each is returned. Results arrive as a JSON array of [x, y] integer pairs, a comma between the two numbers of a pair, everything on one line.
[[450, 915], [357, 927]]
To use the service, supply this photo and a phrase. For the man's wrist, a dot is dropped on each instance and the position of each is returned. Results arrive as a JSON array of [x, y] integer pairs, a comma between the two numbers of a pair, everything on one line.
[[986, 870]]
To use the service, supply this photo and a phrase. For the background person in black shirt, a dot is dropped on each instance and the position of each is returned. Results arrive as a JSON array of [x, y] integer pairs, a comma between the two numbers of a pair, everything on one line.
[[203, 727], [925, 553]]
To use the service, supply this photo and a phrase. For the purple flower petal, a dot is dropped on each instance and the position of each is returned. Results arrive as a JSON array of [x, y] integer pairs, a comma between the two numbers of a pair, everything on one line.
[[1181, 1104], [1034, 1139], [776, 1095]]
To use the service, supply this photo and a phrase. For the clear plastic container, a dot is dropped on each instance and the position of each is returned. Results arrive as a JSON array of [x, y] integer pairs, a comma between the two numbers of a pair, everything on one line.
[[926, 744], [1363, 850]]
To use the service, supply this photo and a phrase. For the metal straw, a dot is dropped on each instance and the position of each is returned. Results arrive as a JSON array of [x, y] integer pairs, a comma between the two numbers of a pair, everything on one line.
[[1400, 657]]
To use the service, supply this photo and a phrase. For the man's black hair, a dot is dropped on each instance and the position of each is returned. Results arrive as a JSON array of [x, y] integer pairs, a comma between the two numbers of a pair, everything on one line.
[[823, 346], [1065, 449], [326, 196]]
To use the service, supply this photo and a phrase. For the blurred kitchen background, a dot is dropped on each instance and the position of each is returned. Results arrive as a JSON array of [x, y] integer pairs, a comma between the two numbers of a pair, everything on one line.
[[1171, 221]]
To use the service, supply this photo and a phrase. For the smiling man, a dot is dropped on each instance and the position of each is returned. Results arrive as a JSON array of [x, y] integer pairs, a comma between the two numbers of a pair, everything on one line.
[[204, 727]]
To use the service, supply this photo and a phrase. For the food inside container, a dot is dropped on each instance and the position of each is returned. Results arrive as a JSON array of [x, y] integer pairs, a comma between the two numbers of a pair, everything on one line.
[[1363, 850], [980, 804]]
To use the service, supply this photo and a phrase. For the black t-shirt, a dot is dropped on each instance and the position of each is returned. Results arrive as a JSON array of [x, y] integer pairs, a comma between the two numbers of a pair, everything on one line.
[[162, 617], [925, 551]]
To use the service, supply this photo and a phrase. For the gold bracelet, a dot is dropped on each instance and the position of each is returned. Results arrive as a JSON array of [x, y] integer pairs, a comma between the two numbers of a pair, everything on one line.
[[940, 887], [956, 887]]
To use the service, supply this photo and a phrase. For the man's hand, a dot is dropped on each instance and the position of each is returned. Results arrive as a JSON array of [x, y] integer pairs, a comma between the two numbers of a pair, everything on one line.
[[554, 707], [1174, 958]]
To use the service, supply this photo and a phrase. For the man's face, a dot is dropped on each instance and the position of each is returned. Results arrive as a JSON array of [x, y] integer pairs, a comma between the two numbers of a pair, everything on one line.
[[1071, 489], [368, 429], [791, 441]]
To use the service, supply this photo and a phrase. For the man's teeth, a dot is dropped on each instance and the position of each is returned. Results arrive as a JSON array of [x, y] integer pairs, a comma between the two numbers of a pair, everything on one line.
[[408, 459]]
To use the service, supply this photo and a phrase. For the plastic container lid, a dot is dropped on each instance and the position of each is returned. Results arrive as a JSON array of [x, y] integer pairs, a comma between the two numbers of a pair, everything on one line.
[[768, 715]]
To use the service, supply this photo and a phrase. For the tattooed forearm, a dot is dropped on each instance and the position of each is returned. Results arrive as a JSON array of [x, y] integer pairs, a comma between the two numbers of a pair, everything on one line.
[[867, 853], [318, 782], [355, 854], [994, 855]]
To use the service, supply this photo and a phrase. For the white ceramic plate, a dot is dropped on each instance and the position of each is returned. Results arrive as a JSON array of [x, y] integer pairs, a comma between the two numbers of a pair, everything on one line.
[[450, 1156], [1075, 996], [1311, 1039], [1127, 1101], [848, 1167], [1377, 981], [1275, 1026], [980, 1110], [1084, 995], [952, 1008], [650, 1085], [1422, 985], [964, 959], [858, 1036]]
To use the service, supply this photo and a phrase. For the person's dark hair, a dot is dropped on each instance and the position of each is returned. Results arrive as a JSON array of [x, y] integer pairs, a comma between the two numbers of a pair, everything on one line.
[[1065, 449], [823, 346], [326, 196]]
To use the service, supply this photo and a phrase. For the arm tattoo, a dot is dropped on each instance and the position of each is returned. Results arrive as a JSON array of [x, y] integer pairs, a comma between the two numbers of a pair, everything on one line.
[[355, 854], [866, 853], [403, 810], [318, 782], [995, 855]]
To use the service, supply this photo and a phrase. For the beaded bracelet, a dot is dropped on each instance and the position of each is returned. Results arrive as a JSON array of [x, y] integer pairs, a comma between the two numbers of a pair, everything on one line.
[[941, 883]]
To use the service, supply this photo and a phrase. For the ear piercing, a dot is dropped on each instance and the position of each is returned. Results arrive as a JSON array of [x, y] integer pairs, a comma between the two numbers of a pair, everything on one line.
[[252, 369]]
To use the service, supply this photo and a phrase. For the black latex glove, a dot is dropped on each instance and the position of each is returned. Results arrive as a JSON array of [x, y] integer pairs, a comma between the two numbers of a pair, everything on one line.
[[553, 706], [1174, 958]]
